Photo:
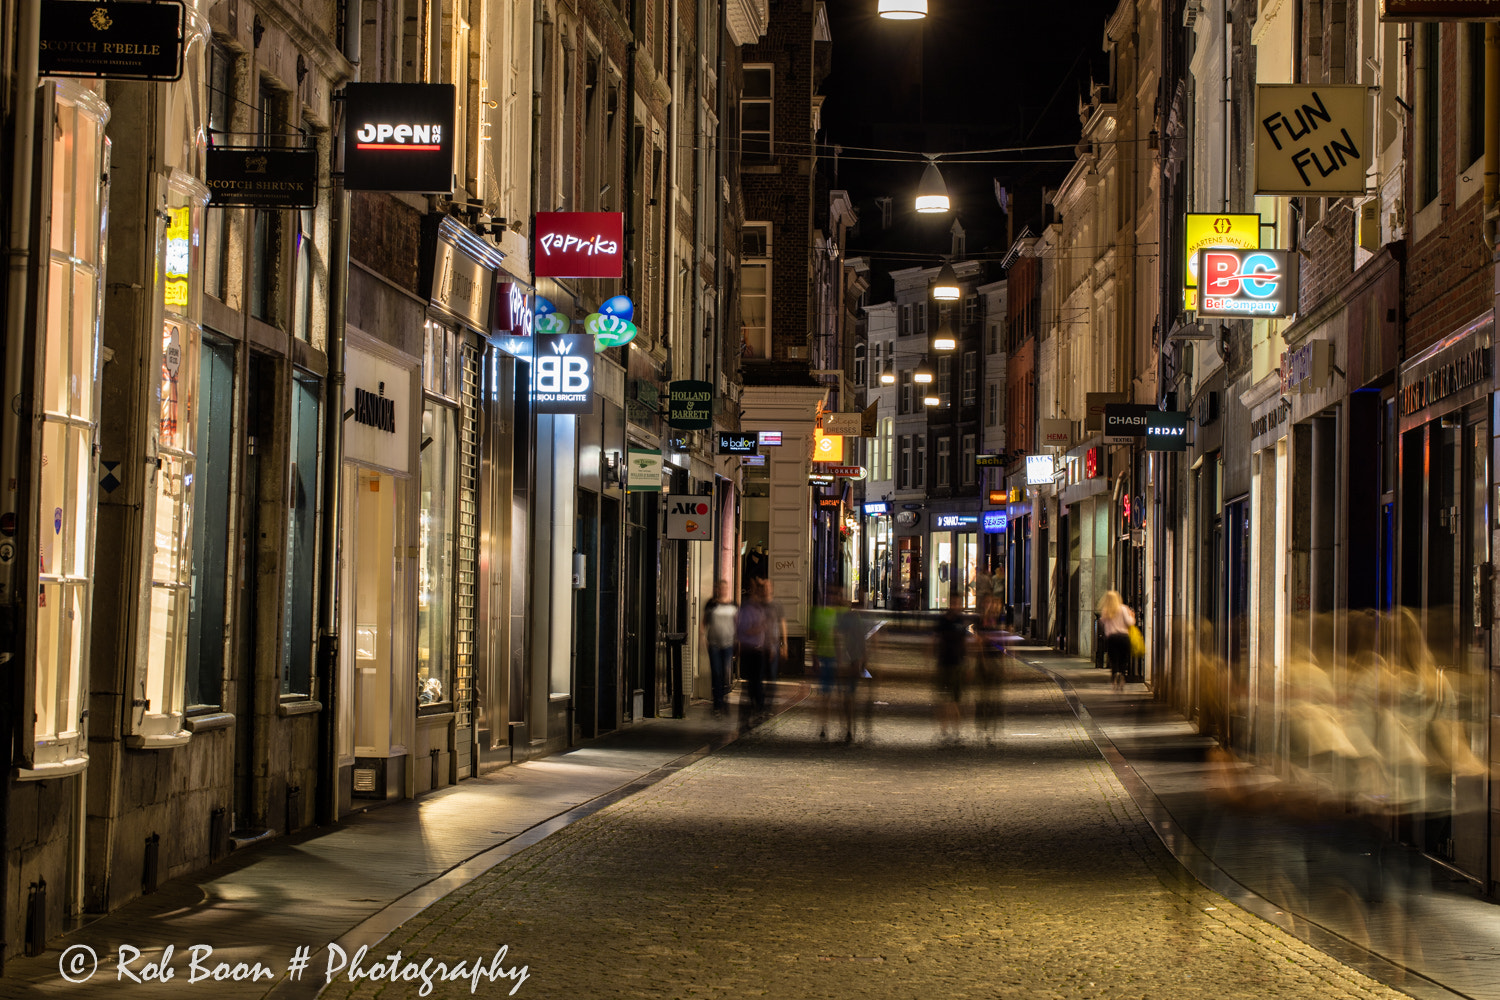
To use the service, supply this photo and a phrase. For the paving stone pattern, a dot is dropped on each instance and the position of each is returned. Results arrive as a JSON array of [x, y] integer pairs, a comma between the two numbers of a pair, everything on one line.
[[899, 866]]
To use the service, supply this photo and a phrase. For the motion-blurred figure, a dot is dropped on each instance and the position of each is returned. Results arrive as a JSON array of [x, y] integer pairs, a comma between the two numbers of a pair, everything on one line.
[[1116, 620], [953, 643], [826, 627], [718, 630], [752, 631], [852, 671]]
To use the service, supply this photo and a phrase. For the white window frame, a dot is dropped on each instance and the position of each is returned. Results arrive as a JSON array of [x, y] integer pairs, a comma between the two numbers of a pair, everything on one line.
[[53, 740], [756, 340], [154, 716]]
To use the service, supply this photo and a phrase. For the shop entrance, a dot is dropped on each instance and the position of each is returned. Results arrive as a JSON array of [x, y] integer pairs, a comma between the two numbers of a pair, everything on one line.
[[374, 569], [1441, 637]]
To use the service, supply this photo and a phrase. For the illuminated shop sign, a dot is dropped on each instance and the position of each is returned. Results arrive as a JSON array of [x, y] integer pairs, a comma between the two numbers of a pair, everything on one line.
[[995, 521], [988, 460], [547, 321], [120, 41], [611, 325], [1257, 284], [1091, 464], [1038, 469], [1447, 379], [690, 405], [737, 444], [1206, 231], [562, 379], [999, 496], [1156, 430], [399, 137], [941, 521], [827, 447], [1311, 140], [847, 471], [877, 507], [513, 310], [688, 518], [179, 258], [770, 439], [261, 177], [1438, 10], [579, 245]]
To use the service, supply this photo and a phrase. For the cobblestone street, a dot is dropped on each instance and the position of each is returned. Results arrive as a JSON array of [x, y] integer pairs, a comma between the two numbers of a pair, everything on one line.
[[898, 866]]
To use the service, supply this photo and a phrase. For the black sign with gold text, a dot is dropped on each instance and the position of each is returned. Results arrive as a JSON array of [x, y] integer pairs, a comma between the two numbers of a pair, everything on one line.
[[117, 39], [262, 177]]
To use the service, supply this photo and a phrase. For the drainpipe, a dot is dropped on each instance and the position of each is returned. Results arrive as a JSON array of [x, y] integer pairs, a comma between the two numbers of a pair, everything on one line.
[[12, 422], [333, 467], [1491, 131]]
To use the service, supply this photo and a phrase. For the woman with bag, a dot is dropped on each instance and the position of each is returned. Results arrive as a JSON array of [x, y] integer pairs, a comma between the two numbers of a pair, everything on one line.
[[1117, 623]]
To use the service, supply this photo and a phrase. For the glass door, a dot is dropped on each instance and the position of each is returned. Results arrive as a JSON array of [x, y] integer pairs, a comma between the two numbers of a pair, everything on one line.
[[373, 582]]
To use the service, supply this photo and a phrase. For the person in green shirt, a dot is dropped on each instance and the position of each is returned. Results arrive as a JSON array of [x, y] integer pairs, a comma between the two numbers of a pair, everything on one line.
[[824, 626]]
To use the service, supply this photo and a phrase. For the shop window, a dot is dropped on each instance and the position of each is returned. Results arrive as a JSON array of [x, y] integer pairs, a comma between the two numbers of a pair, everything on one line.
[[216, 225], [306, 268], [156, 715], [435, 530], [68, 401], [756, 113], [887, 427], [906, 393], [755, 290], [1428, 130], [265, 229], [206, 613], [298, 614]]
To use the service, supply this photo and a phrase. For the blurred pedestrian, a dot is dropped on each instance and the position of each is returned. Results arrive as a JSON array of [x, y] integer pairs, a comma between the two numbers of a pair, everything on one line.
[[852, 667], [1115, 622], [775, 632], [751, 631], [953, 647], [989, 675], [718, 630], [826, 627]]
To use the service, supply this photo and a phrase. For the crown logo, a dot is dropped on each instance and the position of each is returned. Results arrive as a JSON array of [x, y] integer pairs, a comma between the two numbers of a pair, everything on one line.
[[100, 19], [562, 347], [255, 164]]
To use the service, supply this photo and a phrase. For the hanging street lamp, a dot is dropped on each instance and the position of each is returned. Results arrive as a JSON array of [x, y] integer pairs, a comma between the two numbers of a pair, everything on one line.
[[932, 192], [903, 10]]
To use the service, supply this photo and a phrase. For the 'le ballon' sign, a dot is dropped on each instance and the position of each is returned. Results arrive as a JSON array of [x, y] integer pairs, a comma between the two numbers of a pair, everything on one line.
[[579, 245]]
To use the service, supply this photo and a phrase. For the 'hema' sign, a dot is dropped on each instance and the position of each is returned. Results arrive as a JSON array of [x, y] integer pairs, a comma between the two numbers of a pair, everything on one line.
[[399, 137], [688, 517], [562, 374], [1257, 284], [579, 245], [1311, 140]]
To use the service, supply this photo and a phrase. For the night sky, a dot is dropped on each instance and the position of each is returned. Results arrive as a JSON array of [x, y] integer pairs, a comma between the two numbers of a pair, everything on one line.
[[975, 74]]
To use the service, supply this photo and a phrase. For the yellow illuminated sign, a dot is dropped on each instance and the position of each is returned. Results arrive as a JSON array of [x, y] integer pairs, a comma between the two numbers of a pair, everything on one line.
[[1206, 231], [179, 257], [827, 447]]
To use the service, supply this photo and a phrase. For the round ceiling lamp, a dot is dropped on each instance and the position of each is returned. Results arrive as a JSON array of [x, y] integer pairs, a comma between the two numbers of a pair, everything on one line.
[[903, 10], [932, 193], [947, 288]]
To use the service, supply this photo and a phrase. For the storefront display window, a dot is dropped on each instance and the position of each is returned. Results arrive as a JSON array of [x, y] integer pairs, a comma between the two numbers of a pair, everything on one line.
[[170, 500], [301, 537], [68, 365], [435, 559], [205, 642]]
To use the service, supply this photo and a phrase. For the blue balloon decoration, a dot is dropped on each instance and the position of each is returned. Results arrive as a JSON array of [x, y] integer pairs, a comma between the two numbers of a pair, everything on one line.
[[620, 306], [544, 307]]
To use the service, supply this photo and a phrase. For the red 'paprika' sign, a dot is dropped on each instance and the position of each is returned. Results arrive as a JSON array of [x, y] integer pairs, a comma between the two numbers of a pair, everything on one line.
[[579, 245]]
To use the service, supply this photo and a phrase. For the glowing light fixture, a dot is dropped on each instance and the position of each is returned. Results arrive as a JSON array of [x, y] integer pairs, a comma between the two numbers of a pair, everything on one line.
[[946, 288], [945, 341], [887, 378], [923, 374], [932, 193], [930, 401], [903, 10]]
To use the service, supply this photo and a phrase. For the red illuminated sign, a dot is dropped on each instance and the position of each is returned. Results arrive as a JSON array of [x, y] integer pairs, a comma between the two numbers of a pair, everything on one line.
[[1091, 463], [513, 313], [579, 245]]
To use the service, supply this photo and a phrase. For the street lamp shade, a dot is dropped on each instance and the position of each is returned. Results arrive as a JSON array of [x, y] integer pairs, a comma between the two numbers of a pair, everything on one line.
[[930, 401], [947, 288], [932, 193], [944, 339], [887, 378], [923, 374], [903, 10]]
